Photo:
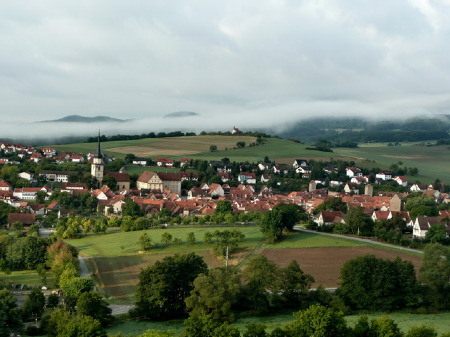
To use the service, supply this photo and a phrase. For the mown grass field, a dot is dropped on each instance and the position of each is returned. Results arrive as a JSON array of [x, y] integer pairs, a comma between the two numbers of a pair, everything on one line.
[[116, 243], [27, 277], [405, 322]]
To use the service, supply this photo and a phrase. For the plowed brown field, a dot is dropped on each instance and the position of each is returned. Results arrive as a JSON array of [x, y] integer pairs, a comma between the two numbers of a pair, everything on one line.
[[325, 264]]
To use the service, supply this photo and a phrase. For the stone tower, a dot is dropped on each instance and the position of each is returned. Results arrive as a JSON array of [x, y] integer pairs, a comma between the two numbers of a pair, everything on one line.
[[368, 190], [98, 166]]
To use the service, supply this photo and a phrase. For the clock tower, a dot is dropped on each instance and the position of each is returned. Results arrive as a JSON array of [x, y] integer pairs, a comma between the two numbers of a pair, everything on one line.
[[98, 165]]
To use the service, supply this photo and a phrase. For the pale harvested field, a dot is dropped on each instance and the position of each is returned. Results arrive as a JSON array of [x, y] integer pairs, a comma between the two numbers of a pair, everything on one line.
[[325, 263], [180, 146]]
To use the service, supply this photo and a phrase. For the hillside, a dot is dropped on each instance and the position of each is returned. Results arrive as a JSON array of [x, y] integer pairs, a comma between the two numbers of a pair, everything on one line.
[[360, 130], [432, 161]]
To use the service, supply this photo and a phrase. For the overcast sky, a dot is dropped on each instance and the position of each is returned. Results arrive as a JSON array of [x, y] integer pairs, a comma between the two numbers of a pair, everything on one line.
[[257, 61]]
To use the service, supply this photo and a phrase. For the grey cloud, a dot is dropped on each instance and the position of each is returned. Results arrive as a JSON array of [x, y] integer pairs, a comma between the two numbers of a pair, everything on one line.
[[226, 60]]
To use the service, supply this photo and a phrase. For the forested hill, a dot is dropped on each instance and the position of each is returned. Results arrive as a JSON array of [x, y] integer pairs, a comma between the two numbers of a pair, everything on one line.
[[358, 130]]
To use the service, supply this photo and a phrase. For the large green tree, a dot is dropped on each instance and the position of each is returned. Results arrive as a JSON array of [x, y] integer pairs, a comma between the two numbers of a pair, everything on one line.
[[260, 279], [435, 274], [163, 287], [206, 326], [359, 222], [214, 294], [92, 304], [318, 321], [223, 207], [73, 288], [9, 314], [290, 214], [34, 304], [294, 284], [368, 282]]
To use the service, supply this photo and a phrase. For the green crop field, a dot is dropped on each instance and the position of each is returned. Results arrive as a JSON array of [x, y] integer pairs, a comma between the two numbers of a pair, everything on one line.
[[433, 162], [404, 321]]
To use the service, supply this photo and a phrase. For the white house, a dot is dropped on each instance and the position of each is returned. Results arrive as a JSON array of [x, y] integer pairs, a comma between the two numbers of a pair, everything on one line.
[[139, 161], [247, 177], [423, 223], [384, 175], [300, 162], [26, 176], [401, 180], [353, 171]]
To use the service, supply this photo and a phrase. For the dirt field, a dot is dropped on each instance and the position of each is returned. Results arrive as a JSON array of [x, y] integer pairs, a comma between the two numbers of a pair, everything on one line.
[[325, 263], [180, 146]]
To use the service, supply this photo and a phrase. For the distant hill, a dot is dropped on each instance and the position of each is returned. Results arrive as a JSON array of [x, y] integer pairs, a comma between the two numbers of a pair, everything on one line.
[[359, 130], [83, 119], [181, 114]]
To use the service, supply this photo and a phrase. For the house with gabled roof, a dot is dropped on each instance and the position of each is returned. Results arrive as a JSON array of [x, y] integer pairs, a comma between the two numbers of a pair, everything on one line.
[[166, 162], [353, 171], [300, 163], [122, 180], [401, 180], [384, 175], [25, 219], [423, 223], [160, 180], [5, 186], [247, 177], [330, 217]]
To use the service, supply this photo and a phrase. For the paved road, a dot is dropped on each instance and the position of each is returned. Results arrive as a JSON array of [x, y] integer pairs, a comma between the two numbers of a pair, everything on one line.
[[45, 232], [359, 239], [84, 271]]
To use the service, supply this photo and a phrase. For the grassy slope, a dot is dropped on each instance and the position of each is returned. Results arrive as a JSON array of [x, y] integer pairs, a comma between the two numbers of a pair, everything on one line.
[[432, 162]]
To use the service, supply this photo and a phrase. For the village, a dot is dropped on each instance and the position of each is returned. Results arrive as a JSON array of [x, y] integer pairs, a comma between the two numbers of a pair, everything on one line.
[[250, 188]]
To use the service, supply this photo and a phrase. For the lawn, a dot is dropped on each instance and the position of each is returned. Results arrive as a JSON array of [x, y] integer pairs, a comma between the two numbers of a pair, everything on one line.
[[116, 243], [27, 277], [312, 240], [404, 321]]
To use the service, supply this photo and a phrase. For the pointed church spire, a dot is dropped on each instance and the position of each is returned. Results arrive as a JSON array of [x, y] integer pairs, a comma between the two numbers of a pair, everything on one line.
[[99, 152]]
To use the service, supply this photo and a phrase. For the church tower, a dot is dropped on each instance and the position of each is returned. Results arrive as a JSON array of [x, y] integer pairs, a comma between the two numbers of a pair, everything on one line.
[[98, 166]]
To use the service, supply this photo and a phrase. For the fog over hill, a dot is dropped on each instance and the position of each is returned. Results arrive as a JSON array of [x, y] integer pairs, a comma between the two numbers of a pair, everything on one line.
[[335, 129]]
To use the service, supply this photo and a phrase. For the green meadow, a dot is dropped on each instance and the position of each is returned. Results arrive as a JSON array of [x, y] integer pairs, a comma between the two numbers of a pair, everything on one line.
[[404, 320]]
